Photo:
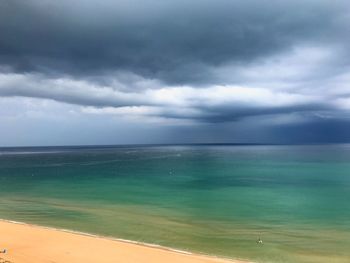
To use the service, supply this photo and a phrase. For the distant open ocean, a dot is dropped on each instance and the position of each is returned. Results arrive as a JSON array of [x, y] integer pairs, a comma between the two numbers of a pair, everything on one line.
[[216, 200]]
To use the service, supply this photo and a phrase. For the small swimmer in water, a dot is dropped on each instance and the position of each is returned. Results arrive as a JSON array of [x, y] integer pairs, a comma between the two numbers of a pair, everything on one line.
[[259, 241]]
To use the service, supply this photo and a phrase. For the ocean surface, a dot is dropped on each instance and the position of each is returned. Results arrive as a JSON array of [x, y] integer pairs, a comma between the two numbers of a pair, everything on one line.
[[216, 200]]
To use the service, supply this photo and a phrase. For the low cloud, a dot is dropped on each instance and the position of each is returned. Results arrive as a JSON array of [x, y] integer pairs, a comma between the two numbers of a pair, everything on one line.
[[206, 104]]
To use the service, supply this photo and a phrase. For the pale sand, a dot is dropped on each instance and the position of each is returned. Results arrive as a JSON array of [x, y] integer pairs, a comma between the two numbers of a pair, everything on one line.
[[34, 244]]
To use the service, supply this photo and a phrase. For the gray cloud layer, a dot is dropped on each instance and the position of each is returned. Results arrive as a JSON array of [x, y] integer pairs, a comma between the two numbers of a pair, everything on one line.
[[199, 61], [174, 41]]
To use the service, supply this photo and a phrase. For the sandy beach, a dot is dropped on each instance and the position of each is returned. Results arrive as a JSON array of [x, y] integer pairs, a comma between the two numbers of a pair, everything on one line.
[[34, 244]]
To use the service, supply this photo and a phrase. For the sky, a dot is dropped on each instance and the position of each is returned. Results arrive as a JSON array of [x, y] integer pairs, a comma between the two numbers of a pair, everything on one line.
[[196, 71]]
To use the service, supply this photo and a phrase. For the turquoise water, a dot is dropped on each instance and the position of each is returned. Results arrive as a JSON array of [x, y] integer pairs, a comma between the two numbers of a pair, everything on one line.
[[210, 199]]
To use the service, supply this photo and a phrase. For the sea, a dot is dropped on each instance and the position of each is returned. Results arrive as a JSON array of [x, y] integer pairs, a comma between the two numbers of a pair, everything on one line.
[[210, 199]]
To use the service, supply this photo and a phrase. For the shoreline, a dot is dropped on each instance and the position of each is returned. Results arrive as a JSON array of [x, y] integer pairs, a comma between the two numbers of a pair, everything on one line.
[[135, 247]]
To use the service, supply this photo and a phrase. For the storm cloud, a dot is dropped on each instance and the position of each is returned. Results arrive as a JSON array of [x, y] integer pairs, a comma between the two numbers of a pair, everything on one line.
[[174, 41], [195, 62]]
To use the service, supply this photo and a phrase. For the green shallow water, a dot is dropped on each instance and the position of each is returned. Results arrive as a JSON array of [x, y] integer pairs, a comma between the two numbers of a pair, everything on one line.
[[209, 199]]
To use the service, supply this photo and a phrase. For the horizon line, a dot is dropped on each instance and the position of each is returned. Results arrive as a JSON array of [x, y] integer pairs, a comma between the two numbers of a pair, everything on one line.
[[171, 144]]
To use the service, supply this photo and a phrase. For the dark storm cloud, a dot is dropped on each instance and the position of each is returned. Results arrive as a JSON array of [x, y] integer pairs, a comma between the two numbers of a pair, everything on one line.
[[173, 41], [261, 69]]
